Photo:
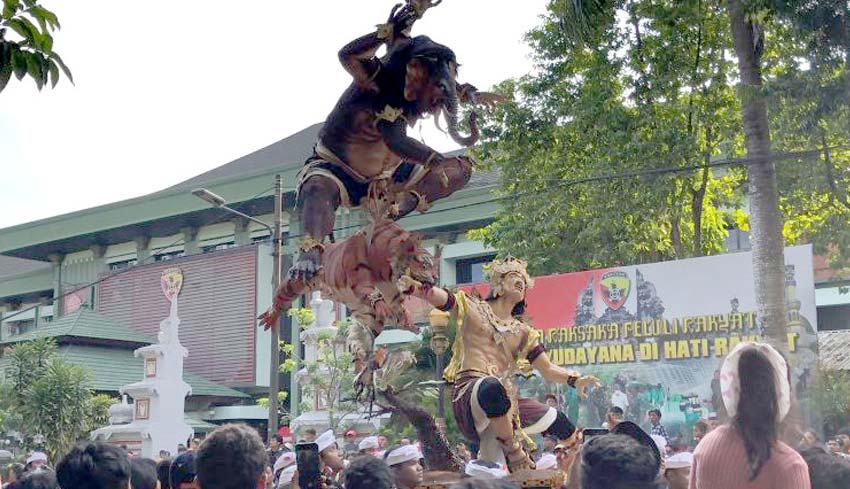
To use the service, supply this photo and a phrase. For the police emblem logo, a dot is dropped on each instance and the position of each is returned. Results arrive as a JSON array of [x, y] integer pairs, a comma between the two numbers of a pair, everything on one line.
[[615, 289], [171, 282]]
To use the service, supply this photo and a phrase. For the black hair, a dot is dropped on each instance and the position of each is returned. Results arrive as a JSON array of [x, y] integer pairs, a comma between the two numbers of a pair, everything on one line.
[[38, 479], [143, 473], [231, 457], [519, 309], [162, 469], [826, 471], [368, 473], [278, 438], [758, 408], [701, 426], [656, 411], [182, 469], [94, 465], [617, 462], [616, 410]]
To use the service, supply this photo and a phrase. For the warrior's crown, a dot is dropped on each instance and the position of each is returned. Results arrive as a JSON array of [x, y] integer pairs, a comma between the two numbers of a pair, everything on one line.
[[497, 269]]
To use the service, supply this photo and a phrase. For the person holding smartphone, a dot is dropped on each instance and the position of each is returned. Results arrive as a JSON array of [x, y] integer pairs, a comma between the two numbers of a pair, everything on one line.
[[319, 464]]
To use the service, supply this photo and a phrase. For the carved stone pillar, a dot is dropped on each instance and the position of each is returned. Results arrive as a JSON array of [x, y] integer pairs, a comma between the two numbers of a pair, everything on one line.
[[190, 241], [56, 259], [143, 251]]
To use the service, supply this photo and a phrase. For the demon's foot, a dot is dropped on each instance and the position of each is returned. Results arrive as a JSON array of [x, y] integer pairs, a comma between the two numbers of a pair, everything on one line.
[[308, 265]]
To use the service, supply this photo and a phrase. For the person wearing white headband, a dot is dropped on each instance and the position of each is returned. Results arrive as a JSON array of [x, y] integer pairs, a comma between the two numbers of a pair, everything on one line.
[[329, 458], [405, 464], [285, 480], [746, 453], [678, 470], [285, 461], [369, 446], [36, 460]]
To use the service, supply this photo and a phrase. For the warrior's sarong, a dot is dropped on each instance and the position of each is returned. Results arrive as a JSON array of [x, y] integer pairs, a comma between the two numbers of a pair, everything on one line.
[[471, 418]]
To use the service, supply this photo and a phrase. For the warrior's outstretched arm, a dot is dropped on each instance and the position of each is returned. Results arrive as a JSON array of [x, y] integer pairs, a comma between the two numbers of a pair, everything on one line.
[[554, 373]]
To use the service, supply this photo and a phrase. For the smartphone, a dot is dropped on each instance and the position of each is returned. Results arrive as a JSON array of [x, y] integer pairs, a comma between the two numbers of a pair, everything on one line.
[[589, 433], [309, 471]]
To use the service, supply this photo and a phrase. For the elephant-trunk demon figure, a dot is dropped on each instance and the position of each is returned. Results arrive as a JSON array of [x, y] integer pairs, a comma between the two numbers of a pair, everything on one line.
[[364, 139]]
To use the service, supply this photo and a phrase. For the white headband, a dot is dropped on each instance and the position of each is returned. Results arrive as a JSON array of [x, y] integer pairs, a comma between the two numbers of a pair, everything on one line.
[[680, 460], [37, 457], [476, 469], [730, 384], [403, 454], [547, 462], [325, 440], [368, 442], [287, 475], [284, 461]]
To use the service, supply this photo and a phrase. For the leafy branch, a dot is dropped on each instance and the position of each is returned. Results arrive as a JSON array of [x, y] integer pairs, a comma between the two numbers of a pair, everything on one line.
[[31, 52]]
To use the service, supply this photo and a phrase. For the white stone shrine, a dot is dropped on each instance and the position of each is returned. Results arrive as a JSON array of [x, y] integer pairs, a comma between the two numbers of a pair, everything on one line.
[[318, 418], [157, 421]]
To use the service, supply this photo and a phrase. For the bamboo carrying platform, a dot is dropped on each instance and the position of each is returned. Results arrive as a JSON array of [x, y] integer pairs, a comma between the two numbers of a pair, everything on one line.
[[529, 479]]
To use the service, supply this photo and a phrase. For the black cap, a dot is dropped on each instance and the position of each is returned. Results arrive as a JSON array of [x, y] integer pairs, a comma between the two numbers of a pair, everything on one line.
[[630, 429]]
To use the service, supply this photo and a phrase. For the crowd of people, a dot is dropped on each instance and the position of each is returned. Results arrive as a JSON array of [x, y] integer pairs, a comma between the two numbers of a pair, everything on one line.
[[744, 453]]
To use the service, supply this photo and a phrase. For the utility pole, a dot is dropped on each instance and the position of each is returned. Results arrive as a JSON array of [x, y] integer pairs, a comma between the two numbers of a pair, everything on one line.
[[274, 369]]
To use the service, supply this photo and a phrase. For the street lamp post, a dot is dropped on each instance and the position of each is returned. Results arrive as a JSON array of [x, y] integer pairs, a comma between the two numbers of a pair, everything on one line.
[[439, 321], [275, 232]]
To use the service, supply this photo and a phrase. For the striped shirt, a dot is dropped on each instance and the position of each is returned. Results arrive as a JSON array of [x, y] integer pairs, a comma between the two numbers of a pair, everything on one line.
[[720, 462], [660, 430]]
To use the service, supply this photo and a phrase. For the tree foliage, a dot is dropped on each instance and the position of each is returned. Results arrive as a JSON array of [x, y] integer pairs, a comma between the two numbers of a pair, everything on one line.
[[50, 397], [26, 44], [646, 89], [829, 395]]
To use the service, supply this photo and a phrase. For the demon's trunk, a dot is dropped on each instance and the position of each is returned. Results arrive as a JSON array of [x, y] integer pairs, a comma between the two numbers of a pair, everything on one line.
[[452, 120]]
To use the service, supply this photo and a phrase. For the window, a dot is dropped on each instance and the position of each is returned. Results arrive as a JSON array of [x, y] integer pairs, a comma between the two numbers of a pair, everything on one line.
[[832, 318], [217, 247], [471, 270], [120, 265], [21, 327], [168, 256]]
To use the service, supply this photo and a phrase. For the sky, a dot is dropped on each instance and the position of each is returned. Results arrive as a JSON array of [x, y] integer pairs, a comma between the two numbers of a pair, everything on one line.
[[166, 90]]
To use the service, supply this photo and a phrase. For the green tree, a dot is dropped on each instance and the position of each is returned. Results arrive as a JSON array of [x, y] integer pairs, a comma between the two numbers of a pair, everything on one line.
[[50, 396], [26, 44], [636, 92], [830, 394], [638, 87]]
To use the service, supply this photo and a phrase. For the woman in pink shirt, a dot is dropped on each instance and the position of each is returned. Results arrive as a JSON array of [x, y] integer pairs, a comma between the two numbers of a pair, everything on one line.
[[746, 453]]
